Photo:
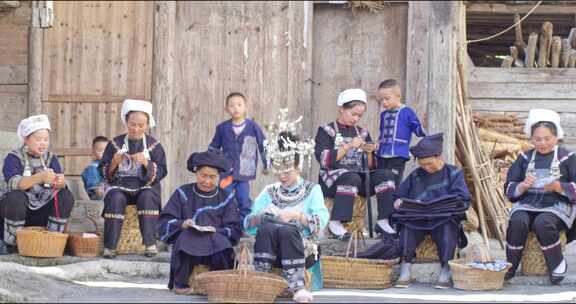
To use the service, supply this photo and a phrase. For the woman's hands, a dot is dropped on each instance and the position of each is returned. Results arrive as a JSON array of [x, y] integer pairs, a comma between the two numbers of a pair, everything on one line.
[[526, 184]]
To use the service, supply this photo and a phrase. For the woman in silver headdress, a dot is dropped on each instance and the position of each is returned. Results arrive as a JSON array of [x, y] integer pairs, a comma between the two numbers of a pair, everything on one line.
[[288, 216]]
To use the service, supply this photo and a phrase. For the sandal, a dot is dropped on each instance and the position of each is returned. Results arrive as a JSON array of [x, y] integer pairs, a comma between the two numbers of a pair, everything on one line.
[[303, 296], [184, 291], [403, 284], [442, 285], [343, 237]]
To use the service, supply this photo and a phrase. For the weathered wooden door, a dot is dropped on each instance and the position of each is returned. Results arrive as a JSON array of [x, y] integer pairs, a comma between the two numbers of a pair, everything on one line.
[[97, 54]]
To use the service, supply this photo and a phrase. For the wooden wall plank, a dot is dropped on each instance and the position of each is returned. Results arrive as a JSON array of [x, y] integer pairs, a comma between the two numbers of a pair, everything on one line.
[[520, 90], [525, 75], [14, 35], [13, 74], [523, 105]]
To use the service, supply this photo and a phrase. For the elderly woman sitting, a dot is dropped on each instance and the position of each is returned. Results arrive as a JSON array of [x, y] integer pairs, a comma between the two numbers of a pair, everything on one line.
[[287, 217], [432, 200], [202, 221], [541, 184]]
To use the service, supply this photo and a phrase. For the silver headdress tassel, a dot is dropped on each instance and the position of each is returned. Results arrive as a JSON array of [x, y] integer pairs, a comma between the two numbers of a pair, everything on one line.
[[283, 161]]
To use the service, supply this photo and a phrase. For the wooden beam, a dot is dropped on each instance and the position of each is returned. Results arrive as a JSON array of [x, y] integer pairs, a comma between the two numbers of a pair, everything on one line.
[[72, 151], [90, 98], [35, 64], [555, 51], [521, 9], [495, 75], [545, 42], [417, 66], [163, 80]]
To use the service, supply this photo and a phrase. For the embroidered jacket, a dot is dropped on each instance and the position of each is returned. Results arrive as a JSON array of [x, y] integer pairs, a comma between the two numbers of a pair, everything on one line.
[[396, 128]]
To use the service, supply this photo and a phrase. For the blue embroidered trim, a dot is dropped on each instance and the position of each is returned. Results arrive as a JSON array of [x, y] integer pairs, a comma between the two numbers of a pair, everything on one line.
[[167, 229], [221, 205], [228, 231], [182, 194]]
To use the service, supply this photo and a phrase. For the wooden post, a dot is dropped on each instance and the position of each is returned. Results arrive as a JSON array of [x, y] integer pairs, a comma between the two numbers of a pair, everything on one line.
[[565, 53], [519, 41], [531, 50], [163, 81], [572, 38], [35, 53], [545, 41], [555, 51]]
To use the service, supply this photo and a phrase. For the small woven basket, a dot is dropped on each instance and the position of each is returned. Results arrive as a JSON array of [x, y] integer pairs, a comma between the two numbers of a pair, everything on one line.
[[130, 238], [241, 285], [86, 246], [467, 277], [41, 243], [352, 272], [358, 214], [533, 262]]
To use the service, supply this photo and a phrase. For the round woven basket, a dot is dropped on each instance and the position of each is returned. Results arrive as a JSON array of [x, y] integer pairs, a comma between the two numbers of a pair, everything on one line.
[[469, 278], [352, 272], [130, 238], [84, 246], [41, 243], [358, 214], [533, 262], [241, 286]]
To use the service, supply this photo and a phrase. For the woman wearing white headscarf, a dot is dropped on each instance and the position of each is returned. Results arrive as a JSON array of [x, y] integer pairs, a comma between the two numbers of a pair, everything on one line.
[[541, 184], [37, 193], [133, 165]]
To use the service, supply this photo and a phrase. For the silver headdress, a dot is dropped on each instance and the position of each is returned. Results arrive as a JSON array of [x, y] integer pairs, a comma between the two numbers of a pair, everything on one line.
[[282, 161]]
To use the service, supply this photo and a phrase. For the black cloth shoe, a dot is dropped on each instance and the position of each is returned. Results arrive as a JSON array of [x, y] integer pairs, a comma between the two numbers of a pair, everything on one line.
[[556, 278], [7, 249]]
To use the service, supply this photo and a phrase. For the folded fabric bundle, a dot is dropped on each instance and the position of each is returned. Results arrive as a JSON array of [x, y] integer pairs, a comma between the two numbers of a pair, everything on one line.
[[387, 249], [428, 215], [497, 266]]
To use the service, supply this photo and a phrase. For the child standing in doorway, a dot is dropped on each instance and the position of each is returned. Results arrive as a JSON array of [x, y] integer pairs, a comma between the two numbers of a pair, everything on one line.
[[94, 183], [397, 123], [240, 139]]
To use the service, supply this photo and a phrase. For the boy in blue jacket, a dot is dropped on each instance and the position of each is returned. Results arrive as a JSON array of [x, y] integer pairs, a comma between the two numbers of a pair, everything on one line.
[[240, 139], [397, 123]]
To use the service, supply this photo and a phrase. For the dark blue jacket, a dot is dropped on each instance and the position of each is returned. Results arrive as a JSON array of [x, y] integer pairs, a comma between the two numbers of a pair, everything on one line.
[[395, 137], [242, 150]]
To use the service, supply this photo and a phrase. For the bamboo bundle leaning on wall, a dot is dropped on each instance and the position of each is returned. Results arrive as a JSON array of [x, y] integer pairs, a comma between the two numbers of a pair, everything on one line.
[[489, 201]]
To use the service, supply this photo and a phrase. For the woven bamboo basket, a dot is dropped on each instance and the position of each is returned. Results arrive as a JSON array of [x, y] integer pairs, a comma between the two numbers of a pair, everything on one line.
[[352, 272], [307, 276], [41, 243], [358, 215], [86, 247], [193, 283], [241, 285], [533, 262], [130, 238], [469, 278]]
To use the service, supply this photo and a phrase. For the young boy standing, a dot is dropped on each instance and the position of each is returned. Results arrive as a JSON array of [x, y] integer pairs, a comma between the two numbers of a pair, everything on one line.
[[240, 139], [397, 123], [93, 183]]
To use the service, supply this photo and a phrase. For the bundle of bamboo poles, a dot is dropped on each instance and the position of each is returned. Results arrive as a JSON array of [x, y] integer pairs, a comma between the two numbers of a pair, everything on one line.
[[488, 198], [543, 49], [508, 123]]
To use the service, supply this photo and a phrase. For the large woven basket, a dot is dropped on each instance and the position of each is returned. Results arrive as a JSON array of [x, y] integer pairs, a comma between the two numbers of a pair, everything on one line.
[[130, 238], [358, 214], [84, 246], [241, 285], [41, 243], [533, 262], [469, 278], [352, 272]]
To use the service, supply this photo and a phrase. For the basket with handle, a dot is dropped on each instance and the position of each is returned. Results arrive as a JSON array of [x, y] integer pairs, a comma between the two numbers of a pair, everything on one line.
[[241, 285], [352, 272], [82, 246], [467, 277], [41, 243]]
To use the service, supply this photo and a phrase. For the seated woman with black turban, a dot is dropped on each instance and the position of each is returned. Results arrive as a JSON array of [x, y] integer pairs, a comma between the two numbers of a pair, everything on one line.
[[201, 221]]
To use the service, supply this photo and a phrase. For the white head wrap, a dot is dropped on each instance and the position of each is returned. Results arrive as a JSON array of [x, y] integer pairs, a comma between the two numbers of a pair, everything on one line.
[[351, 95], [137, 105], [538, 115], [32, 124]]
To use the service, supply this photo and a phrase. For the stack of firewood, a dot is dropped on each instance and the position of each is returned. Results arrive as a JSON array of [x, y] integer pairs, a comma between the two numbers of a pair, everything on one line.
[[502, 138], [543, 49]]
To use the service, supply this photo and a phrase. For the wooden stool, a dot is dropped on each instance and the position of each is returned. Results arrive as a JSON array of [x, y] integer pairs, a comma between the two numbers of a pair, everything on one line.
[[198, 269], [358, 215], [533, 262], [130, 238], [427, 251]]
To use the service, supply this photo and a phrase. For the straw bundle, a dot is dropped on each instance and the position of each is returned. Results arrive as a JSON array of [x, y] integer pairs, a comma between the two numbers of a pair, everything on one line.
[[373, 6]]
